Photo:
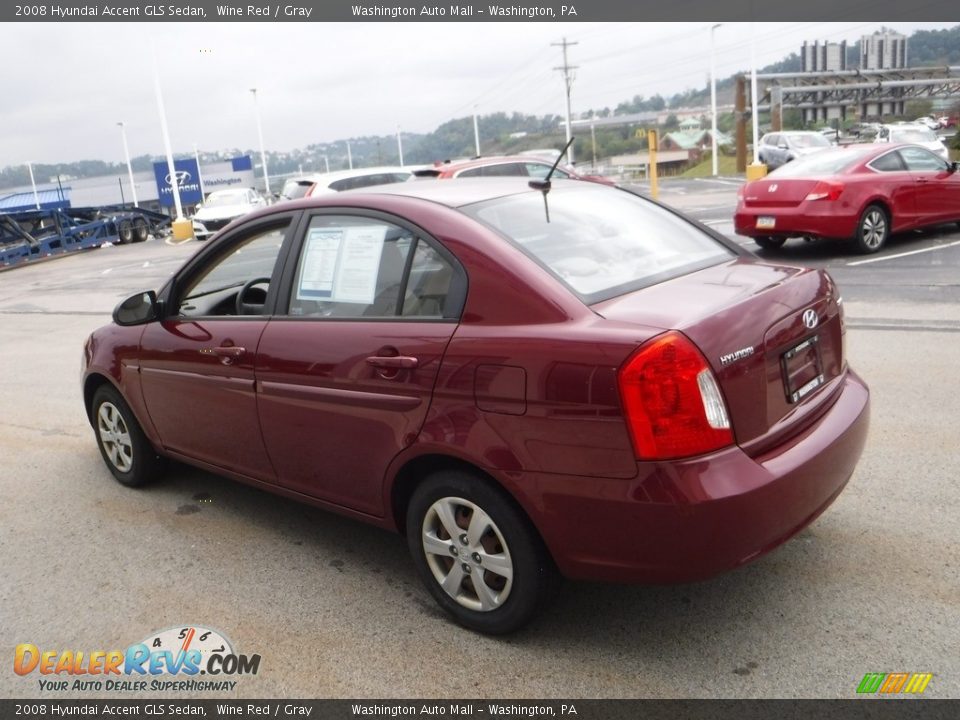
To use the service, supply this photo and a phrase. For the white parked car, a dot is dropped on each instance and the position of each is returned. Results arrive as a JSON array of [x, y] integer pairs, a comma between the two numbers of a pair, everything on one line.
[[340, 180], [221, 207], [916, 134]]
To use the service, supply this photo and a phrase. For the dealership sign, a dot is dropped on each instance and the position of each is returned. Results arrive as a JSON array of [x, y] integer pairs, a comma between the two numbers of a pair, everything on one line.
[[186, 175]]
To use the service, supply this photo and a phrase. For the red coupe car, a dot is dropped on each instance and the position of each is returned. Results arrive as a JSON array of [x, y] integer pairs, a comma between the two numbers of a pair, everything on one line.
[[861, 192], [526, 379]]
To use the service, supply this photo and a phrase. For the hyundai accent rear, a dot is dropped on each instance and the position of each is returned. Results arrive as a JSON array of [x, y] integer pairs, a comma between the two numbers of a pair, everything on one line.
[[522, 377]]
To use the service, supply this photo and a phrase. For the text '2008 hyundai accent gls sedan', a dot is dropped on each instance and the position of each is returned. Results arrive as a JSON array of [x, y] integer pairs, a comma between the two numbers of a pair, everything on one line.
[[528, 382]]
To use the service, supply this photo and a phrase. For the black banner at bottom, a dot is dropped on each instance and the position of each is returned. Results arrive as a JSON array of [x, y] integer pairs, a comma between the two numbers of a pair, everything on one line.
[[859, 709]]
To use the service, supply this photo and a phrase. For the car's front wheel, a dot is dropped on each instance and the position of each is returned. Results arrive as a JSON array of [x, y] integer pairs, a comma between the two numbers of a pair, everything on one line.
[[873, 229], [477, 553], [124, 447]]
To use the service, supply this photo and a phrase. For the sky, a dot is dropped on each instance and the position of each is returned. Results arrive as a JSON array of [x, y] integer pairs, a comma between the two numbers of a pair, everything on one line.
[[66, 85]]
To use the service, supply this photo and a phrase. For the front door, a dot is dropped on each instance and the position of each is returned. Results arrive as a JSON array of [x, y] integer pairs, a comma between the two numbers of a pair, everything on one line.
[[197, 365]]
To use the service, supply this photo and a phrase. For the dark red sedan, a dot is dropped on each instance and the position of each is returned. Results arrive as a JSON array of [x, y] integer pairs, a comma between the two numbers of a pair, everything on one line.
[[860, 192], [526, 382]]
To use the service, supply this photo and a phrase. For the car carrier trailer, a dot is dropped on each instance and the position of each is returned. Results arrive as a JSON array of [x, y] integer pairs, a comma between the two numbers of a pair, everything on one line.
[[31, 235]]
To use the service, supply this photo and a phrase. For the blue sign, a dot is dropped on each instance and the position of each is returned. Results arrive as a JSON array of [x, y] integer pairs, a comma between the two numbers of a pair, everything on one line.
[[187, 178]]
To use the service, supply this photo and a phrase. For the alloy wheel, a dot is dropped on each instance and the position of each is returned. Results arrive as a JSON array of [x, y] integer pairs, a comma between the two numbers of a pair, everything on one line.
[[467, 554], [873, 229], [115, 437]]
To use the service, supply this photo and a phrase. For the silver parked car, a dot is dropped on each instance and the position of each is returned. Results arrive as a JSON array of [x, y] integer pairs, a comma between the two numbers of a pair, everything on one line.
[[779, 148]]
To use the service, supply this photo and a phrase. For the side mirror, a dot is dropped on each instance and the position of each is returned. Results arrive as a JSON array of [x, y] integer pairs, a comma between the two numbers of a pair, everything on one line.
[[138, 309], [782, 146], [954, 166]]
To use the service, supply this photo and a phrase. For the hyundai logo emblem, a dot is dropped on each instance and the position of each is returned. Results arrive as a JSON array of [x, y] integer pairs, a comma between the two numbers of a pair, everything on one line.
[[810, 318], [183, 177], [772, 188]]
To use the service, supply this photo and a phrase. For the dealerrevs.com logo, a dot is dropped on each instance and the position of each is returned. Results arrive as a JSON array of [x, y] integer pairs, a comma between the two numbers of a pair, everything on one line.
[[183, 652]]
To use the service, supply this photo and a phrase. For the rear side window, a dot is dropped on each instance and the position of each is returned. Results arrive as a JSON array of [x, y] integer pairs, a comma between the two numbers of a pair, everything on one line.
[[891, 162], [355, 267], [601, 242]]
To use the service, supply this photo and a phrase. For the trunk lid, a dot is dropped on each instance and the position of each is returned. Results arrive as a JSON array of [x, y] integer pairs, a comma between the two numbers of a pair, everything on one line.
[[752, 321], [773, 192]]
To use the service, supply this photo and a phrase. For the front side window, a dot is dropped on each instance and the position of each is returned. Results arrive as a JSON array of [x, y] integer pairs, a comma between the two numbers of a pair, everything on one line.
[[357, 267], [214, 289], [920, 160], [600, 242]]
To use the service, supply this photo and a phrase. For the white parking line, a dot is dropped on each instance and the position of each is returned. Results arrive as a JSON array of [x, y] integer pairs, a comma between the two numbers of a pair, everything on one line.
[[904, 254], [722, 182]]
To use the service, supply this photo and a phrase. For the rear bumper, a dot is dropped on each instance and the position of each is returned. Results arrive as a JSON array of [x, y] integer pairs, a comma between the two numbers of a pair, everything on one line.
[[807, 218], [685, 521]]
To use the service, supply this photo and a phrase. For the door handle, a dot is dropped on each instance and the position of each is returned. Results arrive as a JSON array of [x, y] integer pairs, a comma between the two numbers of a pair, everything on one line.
[[393, 362], [231, 351], [227, 354], [923, 180]]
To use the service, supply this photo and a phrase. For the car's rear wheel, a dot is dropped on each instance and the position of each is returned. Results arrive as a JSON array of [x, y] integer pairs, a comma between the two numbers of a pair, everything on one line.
[[477, 553], [124, 447], [768, 242], [873, 229]]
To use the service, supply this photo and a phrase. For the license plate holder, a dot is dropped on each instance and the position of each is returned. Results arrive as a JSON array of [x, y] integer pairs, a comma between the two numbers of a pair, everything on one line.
[[802, 368], [766, 222]]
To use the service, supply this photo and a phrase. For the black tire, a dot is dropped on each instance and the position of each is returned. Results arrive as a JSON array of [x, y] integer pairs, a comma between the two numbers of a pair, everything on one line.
[[509, 544], [125, 231], [123, 446], [141, 230], [873, 229], [768, 242]]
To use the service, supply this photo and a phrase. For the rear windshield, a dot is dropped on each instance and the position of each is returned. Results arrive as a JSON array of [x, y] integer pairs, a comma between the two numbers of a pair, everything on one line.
[[826, 162], [912, 135], [600, 242]]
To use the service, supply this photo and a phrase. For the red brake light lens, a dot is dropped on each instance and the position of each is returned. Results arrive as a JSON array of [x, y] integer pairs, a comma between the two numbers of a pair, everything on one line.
[[825, 190], [672, 404]]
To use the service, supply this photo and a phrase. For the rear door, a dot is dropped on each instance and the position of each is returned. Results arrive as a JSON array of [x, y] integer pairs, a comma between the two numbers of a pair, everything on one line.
[[346, 370]]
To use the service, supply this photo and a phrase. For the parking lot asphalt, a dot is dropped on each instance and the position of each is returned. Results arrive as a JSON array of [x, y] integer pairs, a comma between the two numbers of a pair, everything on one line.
[[333, 606]]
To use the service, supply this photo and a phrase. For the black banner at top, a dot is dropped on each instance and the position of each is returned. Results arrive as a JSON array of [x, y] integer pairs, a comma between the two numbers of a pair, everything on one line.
[[474, 11]]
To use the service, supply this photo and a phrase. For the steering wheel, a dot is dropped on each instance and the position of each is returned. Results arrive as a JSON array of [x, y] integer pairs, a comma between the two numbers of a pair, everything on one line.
[[245, 308]]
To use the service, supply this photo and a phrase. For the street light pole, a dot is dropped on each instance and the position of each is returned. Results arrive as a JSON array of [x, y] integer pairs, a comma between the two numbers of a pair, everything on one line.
[[476, 131], [182, 228], [753, 94], [263, 154], [126, 154], [196, 156], [349, 156], [399, 146], [713, 102], [33, 184]]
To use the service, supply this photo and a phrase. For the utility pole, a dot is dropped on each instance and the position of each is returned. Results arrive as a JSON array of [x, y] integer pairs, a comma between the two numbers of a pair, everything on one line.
[[568, 83]]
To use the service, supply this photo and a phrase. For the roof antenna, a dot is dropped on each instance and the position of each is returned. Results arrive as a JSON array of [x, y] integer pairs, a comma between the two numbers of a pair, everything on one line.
[[544, 184]]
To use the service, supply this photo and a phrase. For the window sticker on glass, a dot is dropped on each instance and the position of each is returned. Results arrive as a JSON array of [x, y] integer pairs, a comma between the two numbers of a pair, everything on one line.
[[342, 264], [320, 264]]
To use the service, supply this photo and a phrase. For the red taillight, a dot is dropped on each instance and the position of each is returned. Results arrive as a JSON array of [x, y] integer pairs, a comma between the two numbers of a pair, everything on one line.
[[825, 190], [672, 404]]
